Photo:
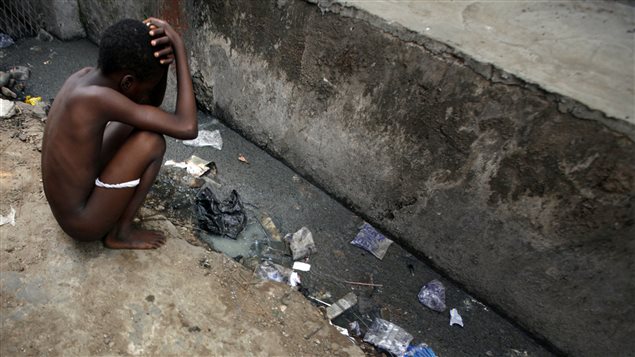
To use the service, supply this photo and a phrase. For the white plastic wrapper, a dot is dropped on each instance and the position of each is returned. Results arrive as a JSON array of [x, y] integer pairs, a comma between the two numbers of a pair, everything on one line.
[[388, 336], [455, 318], [9, 218], [301, 266], [207, 138]]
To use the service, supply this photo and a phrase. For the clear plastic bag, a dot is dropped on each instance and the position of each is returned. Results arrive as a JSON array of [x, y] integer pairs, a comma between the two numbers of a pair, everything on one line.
[[388, 336], [432, 295]]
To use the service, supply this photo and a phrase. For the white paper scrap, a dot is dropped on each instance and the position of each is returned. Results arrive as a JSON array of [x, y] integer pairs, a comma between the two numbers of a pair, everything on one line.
[[301, 266], [9, 218], [294, 279], [195, 166], [455, 318]]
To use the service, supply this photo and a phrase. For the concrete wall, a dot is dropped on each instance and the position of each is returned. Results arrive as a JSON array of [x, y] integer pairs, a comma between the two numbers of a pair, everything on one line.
[[525, 197], [62, 19]]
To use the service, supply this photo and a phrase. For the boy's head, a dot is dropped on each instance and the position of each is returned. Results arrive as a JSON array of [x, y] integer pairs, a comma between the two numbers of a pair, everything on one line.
[[125, 48]]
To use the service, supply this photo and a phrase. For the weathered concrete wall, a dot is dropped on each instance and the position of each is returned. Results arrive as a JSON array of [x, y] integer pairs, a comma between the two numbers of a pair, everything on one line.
[[62, 19], [501, 185]]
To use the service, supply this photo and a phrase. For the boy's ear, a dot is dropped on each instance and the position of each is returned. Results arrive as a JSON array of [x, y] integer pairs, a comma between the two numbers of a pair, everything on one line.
[[126, 82]]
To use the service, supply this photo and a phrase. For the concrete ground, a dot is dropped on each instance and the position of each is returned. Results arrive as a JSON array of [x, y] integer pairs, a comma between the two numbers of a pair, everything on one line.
[[581, 49], [160, 311]]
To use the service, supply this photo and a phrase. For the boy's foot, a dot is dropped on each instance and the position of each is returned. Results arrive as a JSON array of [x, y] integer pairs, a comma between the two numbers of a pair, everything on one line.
[[135, 239]]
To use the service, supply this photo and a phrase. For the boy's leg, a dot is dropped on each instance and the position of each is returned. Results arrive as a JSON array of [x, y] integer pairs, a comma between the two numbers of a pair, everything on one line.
[[115, 135], [110, 211]]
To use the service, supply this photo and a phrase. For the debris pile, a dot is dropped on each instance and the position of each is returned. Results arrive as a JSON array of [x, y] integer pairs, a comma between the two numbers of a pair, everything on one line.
[[13, 82], [253, 239]]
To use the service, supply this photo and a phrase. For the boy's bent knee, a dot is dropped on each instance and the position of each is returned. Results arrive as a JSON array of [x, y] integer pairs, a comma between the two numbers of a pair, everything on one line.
[[149, 142]]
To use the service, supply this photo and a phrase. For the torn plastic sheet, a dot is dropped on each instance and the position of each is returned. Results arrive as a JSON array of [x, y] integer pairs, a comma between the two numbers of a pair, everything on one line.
[[206, 138], [9, 218], [432, 295], [195, 166], [294, 279], [354, 328], [226, 218], [388, 336], [336, 309], [368, 238], [301, 243], [274, 272], [275, 251], [455, 318], [420, 350]]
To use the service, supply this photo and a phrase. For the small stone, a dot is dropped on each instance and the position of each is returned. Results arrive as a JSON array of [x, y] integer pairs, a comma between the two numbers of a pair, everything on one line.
[[20, 73], [22, 136], [43, 35], [8, 93], [5, 78]]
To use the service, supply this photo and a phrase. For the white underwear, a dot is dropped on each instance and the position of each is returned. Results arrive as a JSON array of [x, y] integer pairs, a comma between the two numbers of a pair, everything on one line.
[[129, 184]]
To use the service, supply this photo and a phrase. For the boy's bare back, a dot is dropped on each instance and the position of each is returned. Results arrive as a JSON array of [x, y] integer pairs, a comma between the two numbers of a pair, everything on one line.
[[103, 143]]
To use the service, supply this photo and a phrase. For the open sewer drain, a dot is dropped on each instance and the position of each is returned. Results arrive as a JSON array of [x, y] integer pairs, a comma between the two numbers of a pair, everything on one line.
[[260, 248]]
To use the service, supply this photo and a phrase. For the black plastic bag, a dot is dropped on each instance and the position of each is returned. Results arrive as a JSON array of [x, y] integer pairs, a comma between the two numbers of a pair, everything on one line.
[[226, 218]]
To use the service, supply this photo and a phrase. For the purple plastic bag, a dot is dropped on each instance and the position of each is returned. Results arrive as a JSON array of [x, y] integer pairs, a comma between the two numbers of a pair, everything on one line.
[[368, 238], [432, 295]]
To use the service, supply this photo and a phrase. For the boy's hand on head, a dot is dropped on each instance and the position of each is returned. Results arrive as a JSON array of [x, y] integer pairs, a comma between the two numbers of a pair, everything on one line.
[[164, 38]]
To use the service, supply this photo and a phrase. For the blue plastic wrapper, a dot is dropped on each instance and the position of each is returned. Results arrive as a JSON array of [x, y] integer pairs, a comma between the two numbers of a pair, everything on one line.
[[420, 350], [368, 238], [5, 40], [432, 295], [388, 336]]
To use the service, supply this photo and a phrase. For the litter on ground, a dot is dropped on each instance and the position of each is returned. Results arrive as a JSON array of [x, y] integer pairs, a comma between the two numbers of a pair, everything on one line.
[[301, 243], [349, 300], [9, 218], [432, 295], [195, 166], [206, 138], [455, 318], [388, 336], [226, 218], [368, 238]]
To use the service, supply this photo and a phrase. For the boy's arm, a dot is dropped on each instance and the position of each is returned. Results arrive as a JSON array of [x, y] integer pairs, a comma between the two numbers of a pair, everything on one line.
[[183, 123], [156, 98]]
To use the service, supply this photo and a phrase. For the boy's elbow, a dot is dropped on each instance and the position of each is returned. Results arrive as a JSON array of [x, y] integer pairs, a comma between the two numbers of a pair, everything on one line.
[[191, 132]]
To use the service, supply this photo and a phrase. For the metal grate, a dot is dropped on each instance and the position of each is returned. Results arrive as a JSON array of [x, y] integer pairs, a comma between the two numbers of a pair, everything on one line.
[[20, 18]]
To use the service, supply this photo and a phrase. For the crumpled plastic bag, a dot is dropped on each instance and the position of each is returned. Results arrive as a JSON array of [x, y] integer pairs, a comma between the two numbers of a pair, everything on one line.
[[432, 295], [226, 218], [206, 138], [368, 238], [274, 272], [388, 336], [301, 243]]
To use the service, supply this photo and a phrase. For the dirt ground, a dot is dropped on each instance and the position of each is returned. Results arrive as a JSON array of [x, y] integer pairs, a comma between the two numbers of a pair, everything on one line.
[[59, 297]]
